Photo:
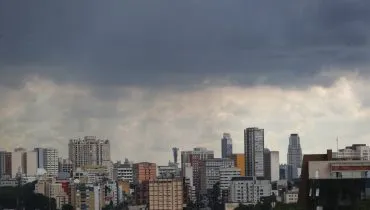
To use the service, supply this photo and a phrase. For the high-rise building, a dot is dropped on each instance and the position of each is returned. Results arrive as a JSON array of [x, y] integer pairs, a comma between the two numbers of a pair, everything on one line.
[[283, 172], [249, 190], [226, 145], [275, 163], [5, 163], [166, 194], [267, 163], [175, 151], [239, 162], [294, 157], [89, 151], [30, 158], [65, 165], [210, 172], [195, 158], [47, 158], [144, 172], [226, 174], [253, 151], [18, 162]]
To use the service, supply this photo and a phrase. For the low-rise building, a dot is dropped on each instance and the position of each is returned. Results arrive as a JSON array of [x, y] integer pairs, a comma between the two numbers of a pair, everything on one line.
[[248, 190], [170, 171], [291, 196], [123, 171]]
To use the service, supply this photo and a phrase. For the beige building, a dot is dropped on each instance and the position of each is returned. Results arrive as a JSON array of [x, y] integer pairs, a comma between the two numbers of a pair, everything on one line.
[[166, 194], [86, 197], [89, 151], [53, 188]]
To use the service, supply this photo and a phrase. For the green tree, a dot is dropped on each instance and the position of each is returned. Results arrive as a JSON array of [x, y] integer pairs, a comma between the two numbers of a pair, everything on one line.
[[67, 207]]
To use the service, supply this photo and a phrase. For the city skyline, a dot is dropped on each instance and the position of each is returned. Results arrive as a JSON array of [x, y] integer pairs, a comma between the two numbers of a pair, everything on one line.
[[150, 85]]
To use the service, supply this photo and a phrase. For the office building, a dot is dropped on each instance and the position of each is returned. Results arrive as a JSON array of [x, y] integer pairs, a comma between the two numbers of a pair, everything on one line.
[[123, 171], [226, 146], [248, 190], [18, 162], [294, 157], [89, 151], [144, 171], [30, 160], [48, 159], [166, 194], [283, 172], [226, 174], [195, 158], [239, 162], [254, 152], [5, 163], [275, 165], [210, 172], [291, 196], [170, 171], [189, 191], [65, 165], [267, 163], [354, 152]]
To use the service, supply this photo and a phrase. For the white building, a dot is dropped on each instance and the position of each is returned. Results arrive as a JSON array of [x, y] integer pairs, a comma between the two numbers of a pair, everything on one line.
[[226, 174], [254, 152], [123, 171], [17, 162], [210, 172], [275, 169], [187, 173], [89, 151], [31, 163], [356, 151], [248, 190], [291, 196], [169, 171]]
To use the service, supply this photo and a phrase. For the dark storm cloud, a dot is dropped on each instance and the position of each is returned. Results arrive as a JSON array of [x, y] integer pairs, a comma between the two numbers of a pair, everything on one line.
[[284, 42]]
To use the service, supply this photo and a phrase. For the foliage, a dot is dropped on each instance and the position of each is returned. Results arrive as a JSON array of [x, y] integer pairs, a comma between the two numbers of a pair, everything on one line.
[[67, 207], [27, 198]]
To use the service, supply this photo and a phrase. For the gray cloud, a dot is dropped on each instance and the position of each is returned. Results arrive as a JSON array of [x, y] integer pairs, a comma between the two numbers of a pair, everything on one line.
[[146, 43]]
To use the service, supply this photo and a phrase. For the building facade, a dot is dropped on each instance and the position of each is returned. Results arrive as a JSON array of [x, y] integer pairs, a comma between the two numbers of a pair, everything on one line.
[[226, 175], [210, 172], [267, 163], [226, 146], [166, 194], [248, 190], [144, 171], [239, 162], [89, 151], [254, 152], [170, 171], [275, 165], [294, 156], [48, 159], [5, 163], [123, 171], [195, 158], [354, 152]]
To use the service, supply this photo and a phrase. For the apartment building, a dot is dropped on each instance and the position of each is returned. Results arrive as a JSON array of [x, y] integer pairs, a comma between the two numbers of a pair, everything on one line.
[[144, 171], [166, 194], [248, 190]]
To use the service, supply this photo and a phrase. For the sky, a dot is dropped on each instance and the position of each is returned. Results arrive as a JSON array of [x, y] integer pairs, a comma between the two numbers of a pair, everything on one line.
[[152, 75]]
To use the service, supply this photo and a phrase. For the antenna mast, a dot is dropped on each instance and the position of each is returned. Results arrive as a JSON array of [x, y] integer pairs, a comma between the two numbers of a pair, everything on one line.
[[337, 145]]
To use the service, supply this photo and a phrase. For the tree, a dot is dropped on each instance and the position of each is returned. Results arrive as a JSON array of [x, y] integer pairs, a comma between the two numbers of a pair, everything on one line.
[[67, 207]]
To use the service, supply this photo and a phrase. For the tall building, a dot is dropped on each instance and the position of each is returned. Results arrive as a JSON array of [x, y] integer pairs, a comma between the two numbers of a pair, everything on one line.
[[89, 151], [144, 172], [48, 159], [239, 162], [275, 163], [175, 151], [267, 163], [226, 145], [253, 151], [18, 164], [65, 165], [210, 172], [195, 158], [283, 172], [5, 163], [169, 171], [294, 157], [30, 160], [226, 175], [166, 194]]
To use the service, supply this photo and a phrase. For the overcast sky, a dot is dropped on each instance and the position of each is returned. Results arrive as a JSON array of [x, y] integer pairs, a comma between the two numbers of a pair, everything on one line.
[[151, 75]]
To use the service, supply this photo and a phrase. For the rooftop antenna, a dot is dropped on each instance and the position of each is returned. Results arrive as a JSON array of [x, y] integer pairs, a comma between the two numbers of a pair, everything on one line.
[[337, 145]]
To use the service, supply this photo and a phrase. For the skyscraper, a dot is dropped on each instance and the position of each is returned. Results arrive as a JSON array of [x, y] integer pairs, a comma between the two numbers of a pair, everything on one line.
[[89, 151], [226, 145], [294, 157], [5, 163], [253, 151], [47, 158], [267, 163]]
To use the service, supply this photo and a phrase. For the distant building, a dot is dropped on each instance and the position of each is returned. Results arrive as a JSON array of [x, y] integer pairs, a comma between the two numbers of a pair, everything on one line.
[[89, 151], [53, 188], [24, 162], [267, 163], [239, 162], [248, 190], [210, 172], [5, 163], [123, 171], [226, 175], [226, 146], [283, 172], [354, 152], [166, 194], [48, 159], [253, 149], [291, 196], [65, 165], [275, 163], [170, 171], [195, 158], [294, 156], [144, 171]]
